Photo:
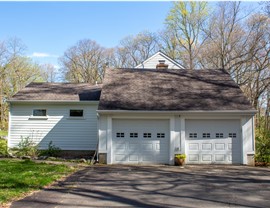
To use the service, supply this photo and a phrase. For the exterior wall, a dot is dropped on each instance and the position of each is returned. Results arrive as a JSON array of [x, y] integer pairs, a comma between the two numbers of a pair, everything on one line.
[[177, 130], [65, 132], [102, 123], [152, 62], [248, 139]]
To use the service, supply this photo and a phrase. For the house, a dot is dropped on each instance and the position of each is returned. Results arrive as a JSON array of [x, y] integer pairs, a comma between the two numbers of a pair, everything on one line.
[[142, 116]]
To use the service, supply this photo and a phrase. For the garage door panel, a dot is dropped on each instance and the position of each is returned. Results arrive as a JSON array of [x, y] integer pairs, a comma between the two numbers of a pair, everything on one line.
[[213, 141], [206, 146], [206, 157], [120, 157], [193, 146], [147, 146], [146, 141], [134, 146], [220, 157], [220, 146], [134, 158], [120, 145], [193, 157]]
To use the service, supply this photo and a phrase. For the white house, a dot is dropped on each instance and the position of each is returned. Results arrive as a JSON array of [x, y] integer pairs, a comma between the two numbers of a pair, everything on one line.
[[143, 116]]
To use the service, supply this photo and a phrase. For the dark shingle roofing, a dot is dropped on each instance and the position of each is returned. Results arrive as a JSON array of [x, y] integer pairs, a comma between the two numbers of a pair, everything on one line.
[[171, 90], [58, 92]]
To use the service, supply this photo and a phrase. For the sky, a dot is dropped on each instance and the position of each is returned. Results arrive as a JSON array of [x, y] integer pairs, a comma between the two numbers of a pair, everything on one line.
[[50, 28]]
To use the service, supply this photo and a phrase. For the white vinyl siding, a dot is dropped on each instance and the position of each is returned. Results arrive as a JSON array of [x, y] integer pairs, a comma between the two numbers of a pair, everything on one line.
[[152, 62], [65, 132]]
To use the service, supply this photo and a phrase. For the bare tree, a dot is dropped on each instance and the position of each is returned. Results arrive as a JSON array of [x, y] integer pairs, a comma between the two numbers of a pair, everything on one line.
[[16, 71], [185, 22], [83, 62], [48, 72], [133, 50]]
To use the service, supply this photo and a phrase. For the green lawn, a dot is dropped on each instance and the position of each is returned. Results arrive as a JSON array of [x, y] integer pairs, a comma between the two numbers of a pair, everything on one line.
[[18, 177], [3, 133]]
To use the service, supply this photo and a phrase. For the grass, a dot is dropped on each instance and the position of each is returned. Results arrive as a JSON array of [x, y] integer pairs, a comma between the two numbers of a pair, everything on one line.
[[3, 133], [17, 177]]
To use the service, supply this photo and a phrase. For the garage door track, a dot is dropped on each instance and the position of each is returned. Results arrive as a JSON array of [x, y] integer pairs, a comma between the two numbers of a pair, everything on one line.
[[157, 186]]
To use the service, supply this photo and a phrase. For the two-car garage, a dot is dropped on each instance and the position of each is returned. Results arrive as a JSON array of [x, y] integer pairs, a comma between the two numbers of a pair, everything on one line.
[[147, 141]]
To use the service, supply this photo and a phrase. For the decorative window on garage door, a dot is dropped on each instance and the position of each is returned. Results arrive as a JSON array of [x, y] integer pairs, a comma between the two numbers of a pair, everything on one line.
[[219, 135], [120, 134], [147, 135], [192, 135], [232, 135], [160, 135], [206, 135], [133, 135]]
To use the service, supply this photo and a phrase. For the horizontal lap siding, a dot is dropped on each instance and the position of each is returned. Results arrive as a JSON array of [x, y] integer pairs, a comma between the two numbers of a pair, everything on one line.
[[152, 63], [64, 132]]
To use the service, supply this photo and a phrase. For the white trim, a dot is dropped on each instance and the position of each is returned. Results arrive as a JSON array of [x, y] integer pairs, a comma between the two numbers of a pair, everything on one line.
[[172, 140], [243, 134], [183, 135], [109, 140], [165, 56], [253, 135], [38, 117], [53, 101], [225, 112], [9, 124]]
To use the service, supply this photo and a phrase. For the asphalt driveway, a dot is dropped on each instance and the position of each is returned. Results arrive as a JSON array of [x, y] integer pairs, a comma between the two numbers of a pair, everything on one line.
[[157, 186]]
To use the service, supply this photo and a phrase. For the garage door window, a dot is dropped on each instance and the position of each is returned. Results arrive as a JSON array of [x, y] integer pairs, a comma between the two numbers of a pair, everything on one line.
[[232, 135], [219, 135], [146, 135], [133, 135], [192, 135], [160, 135], [120, 134], [206, 135]]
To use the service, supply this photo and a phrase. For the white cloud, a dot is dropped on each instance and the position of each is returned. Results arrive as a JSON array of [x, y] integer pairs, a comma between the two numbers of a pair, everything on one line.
[[42, 55]]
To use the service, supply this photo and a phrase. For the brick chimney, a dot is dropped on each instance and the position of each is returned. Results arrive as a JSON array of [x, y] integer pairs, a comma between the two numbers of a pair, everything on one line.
[[162, 65]]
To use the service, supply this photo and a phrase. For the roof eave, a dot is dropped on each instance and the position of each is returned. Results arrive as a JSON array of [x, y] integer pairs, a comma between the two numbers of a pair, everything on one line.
[[54, 101], [238, 112]]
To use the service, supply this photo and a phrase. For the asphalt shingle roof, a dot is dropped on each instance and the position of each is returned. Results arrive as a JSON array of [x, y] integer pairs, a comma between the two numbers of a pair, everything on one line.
[[171, 90], [58, 92]]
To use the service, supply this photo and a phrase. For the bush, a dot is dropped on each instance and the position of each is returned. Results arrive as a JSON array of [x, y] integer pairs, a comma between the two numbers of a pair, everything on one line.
[[52, 151], [3, 148], [26, 147], [263, 146]]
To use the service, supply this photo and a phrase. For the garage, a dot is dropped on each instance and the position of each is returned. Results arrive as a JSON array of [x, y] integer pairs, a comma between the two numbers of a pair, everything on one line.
[[140, 141], [213, 141]]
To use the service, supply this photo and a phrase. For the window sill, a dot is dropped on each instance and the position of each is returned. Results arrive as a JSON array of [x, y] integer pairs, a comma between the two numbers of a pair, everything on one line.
[[76, 118], [38, 118]]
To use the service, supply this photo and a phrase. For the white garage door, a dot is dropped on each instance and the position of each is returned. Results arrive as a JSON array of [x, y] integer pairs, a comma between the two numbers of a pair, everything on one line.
[[213, 141], [140, 141]]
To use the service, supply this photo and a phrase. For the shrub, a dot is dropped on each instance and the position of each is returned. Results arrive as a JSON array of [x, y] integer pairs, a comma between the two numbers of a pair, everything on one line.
[[263, 146], [52, 150], [3, 148], [26, 147]]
